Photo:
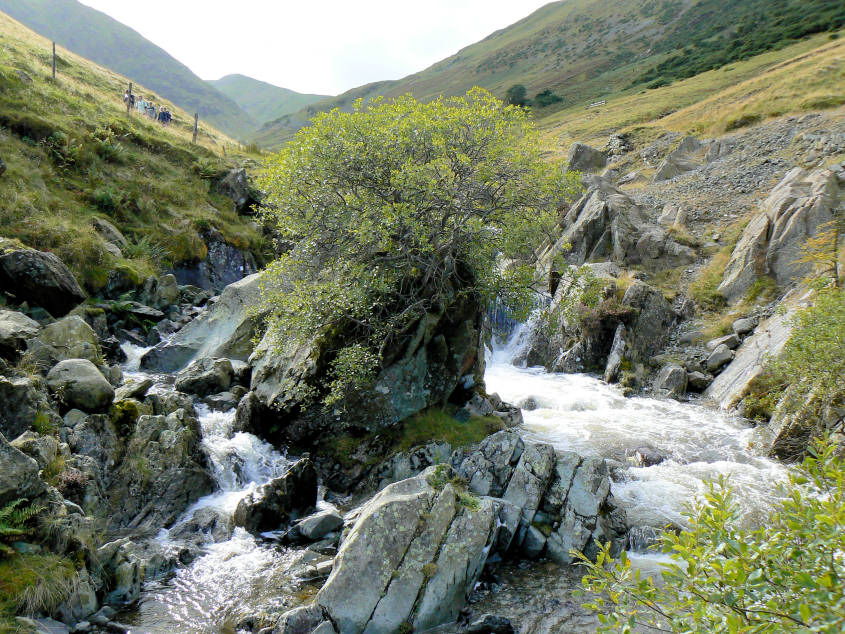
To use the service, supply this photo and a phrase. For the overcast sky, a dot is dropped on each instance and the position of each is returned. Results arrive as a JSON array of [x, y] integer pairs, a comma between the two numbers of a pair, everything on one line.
[[316, 46]]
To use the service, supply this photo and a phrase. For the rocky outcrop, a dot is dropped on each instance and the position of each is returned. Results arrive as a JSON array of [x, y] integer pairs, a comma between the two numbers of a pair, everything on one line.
[[583, 158], [224, 329], [77, 383], [224, 265], [162, 472], [772, 241], [606, 224], [416, 549], [671, 381], [235, 185], [39, 278], [440, 359], [280, 500]]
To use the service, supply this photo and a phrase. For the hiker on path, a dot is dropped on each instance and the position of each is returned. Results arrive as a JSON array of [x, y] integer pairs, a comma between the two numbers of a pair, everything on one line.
[[141, 105]]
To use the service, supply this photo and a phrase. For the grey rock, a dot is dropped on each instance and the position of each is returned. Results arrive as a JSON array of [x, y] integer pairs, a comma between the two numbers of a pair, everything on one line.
[[15, 329], [533, 543], [301, 620], [21, 401], [67, 338], [18, 475], [320, 524], [719, 358], [38, 278], [134, 388], [617, 354], [225, 329], [671, 381], [109, 232], [744, 326], [698, 381], [490, 624], [731, 341], [79, 384], [648, 457], [583, 158], [235, 185], [276, 502], [205, 376]]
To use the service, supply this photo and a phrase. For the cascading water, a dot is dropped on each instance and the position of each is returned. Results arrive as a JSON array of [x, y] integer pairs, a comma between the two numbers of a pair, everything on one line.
[[580, 413], [232, 579]]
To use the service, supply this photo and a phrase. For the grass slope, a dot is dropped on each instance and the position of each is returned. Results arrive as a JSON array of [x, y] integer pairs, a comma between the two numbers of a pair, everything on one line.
[[73, 154], [585, 50], [263, 101], [98, 37]]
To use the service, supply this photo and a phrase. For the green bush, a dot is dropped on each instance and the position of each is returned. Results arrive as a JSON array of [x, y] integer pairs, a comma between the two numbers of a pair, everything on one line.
[[785, 576]]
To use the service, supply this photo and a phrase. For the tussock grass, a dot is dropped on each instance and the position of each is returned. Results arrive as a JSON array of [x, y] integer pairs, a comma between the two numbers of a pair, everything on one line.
[[33, 584], [72, 153]]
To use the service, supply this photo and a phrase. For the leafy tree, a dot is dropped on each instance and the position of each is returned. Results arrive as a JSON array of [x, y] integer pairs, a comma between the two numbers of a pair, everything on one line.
[[517, 95], [397, 210], [822, 250], [547, 98], [785, 576]]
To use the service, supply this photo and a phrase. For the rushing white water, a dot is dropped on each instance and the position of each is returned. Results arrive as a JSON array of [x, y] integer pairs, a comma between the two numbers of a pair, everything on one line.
[[580, 413], [232, 579]]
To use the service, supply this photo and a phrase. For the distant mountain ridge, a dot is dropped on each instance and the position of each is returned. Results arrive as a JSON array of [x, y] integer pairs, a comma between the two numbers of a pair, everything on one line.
[[584, 50], [107, 42], [260, 100]]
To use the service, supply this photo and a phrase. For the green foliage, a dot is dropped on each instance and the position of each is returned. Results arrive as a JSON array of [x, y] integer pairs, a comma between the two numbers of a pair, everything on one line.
[[399, 210], [35, 584], [15, 518], [738, 31], [785, 576], [546, 98], [517, 95], [705, 288], [43, 424]]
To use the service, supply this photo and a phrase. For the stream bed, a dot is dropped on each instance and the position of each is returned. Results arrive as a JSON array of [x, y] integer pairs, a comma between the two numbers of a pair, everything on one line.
[[247, 575]]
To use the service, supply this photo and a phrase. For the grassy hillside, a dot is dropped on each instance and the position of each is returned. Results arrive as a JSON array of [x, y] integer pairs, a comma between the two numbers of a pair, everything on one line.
[[109, 43], [73, 154], [585, 50], [263, 101], [802, 77]]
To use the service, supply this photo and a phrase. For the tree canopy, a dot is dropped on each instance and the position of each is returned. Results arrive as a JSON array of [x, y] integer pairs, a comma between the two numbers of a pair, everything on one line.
[[395, 209]]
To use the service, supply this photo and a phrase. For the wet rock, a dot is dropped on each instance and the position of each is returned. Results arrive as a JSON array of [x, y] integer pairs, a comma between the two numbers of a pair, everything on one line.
[[77, 383], [583, 158], [408, 464], [126, 565], [617, 354], [490, 624], [222, 402], [207, 522], [161, 293], [21, 404], [225, 329], [18, 475], [719, 358], [279, 500], [488, 469], [224, 265], [671, 381], [205, 376], [67, 338], [648, 457], [134, 388], [15, 329], [38, 278], [302, 620]]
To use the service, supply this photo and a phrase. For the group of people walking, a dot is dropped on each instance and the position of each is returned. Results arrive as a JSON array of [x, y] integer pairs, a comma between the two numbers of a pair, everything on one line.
[[148, 108]]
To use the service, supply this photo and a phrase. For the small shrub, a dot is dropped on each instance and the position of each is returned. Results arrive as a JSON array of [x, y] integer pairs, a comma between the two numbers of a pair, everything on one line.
[[44, 424], [107, 199], [71, 483], [743, 122]]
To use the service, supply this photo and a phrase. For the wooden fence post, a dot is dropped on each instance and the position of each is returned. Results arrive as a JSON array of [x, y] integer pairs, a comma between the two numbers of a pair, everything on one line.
[[54, 61], [196, 126]]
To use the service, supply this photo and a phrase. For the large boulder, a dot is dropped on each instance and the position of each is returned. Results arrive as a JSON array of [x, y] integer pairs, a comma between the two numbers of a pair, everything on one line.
[[671, 381], [206, 376], [67, 338], [224, 265], [38, 278], [22, 404], [412, 556], [689, 155], [583, 158], [280, 500], [162, 473], [15, 329], [18, 475], [441, 358], [77, 383], [224, 329], [772, 242], [235, 185], [606, 224]]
